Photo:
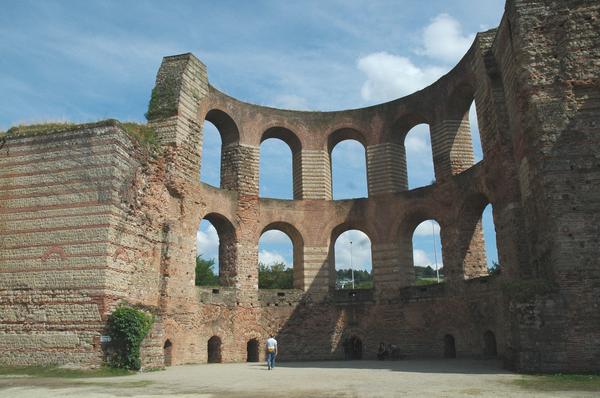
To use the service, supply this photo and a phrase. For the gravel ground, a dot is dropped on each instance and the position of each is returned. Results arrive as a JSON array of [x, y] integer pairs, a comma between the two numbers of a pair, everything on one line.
[[413, 378]]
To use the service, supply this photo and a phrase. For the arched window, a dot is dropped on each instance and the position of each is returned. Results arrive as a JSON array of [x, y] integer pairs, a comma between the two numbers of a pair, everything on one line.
[[475, 135], [419, 158], [214, 350], [210, 169], [347, 154], [220, 134], [215, 251], [275, 179], [427, 253], [352, 259], [489, 237], [280, 257]]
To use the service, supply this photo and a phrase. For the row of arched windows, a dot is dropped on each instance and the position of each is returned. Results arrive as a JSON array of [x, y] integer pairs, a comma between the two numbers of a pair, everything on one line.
[[352, 348], [348, 161], [279, 249]]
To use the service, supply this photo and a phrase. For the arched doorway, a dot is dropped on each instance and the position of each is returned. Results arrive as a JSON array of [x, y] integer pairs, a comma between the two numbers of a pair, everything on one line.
[[252, 351], [489, 340], [449, 346], [214, 350], [353, 348], [168, 352]]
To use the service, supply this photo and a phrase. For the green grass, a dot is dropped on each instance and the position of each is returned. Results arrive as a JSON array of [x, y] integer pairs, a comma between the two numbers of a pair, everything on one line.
[[55, 371], [560, 382]]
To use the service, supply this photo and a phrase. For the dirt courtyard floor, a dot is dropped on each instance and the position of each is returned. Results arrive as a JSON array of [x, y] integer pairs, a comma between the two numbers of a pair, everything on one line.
[[411, 378]]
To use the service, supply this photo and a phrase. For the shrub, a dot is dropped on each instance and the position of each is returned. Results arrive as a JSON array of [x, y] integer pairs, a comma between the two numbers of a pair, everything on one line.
[[127, 328]]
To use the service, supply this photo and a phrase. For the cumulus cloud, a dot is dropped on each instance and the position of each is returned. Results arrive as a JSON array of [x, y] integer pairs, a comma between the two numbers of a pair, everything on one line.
[[207, 241], [361, 250], [390, 76], [444, 40], [424, 229], [275, 237], [417, 141], [420, 258], [268, 258]]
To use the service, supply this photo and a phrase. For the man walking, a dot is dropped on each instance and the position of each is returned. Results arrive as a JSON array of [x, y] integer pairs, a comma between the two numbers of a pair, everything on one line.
[[271, 351]]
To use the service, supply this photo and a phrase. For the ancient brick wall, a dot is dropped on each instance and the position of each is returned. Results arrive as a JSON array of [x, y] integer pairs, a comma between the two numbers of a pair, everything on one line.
[[75, 241]]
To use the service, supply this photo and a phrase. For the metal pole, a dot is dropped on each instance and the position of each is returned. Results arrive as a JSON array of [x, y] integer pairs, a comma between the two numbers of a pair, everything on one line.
[[351, 266], [437, 272]]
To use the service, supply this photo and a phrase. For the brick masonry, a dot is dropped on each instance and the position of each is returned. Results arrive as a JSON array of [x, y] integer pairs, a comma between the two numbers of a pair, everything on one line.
[[87, 219]]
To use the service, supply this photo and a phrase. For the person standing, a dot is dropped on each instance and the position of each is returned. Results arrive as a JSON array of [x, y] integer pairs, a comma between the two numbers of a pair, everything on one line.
[[271, 351]]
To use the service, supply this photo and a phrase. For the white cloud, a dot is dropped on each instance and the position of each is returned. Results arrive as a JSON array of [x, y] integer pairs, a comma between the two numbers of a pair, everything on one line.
[[207, 241], [443, 39], [268, 258], [390, 76], [417, 141], [275, 236], [361, 250], [420, 258], [424, 229]]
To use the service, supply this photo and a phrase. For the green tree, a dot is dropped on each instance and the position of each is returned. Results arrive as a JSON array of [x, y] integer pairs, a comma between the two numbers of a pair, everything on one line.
[[205, 274], [363, 279], [127, 327], [275, 276]]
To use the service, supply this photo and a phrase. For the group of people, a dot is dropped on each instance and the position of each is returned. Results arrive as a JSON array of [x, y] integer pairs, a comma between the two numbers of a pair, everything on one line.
[[389, 351]]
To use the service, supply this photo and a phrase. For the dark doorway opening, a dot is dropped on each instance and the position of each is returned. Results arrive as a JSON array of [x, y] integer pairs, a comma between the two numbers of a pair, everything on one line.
[[449, 346], [489, 340], [353, 348], [252, 351], [214, 349], [168, 352]]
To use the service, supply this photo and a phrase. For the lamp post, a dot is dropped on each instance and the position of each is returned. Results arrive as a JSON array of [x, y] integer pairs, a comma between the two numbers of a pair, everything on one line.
[[351, 266], [437, 272]]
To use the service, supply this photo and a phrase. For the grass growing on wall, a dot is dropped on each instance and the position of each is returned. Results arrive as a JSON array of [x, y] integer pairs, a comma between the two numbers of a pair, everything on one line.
[[142, 133]]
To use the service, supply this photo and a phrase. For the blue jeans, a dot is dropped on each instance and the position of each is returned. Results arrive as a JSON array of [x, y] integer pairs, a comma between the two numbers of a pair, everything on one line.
[[271, 359]]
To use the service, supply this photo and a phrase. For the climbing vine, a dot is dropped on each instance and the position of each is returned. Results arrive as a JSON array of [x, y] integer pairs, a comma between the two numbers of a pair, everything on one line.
[[127, 328]]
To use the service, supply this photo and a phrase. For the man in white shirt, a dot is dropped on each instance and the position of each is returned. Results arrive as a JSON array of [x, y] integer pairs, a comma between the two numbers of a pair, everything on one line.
[[271, 352]]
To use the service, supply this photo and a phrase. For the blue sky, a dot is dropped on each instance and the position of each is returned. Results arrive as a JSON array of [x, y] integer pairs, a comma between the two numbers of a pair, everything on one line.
[[85, 61]]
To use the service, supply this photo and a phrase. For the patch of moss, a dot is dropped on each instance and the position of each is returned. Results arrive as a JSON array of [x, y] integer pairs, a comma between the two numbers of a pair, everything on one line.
[[163, 103], [41, 128], [142, 132], [560, 382], [55, 371]]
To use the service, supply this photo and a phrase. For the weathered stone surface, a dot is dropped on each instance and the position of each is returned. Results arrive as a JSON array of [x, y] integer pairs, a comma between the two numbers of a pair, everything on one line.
[[87, 221]]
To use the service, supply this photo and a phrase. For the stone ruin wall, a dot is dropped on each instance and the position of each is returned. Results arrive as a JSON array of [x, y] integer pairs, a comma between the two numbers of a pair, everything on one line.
[[88, 219]]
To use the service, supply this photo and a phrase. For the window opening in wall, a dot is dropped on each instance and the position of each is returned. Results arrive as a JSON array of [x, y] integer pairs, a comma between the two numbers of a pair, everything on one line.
[[489, 340], [214, 349], [275, 179], [210, 169], [349, 170], [419, 157], [168, 352], [489, 237], [475, 135], [207, 255], [353, 266], [275, 260], [252, 350], [449, 346], [427, 253]]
